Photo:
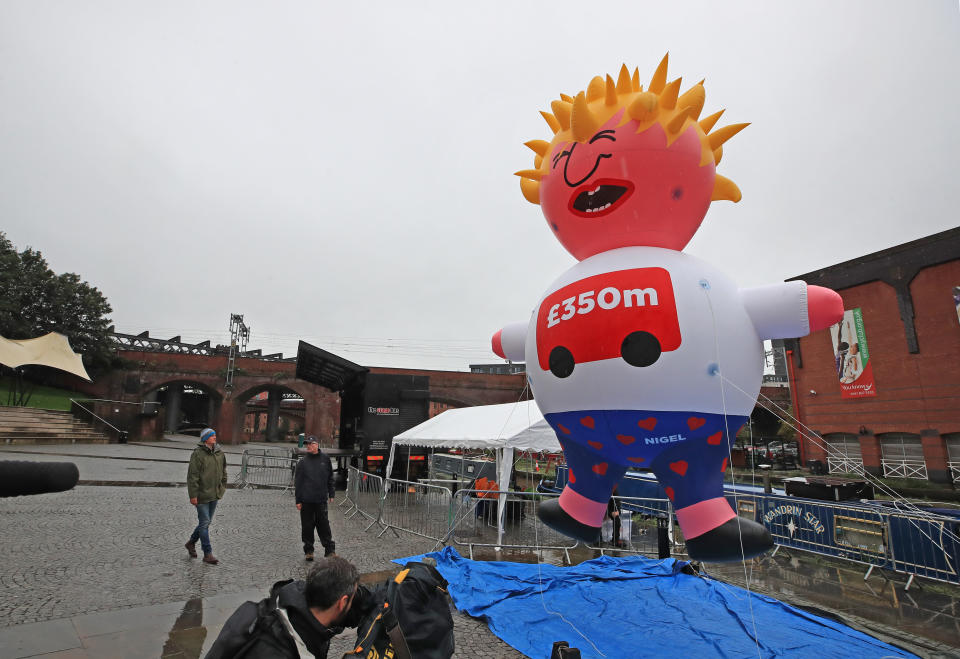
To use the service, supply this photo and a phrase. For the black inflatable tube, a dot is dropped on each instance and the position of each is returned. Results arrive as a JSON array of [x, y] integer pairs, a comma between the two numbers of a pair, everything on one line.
[[19, 477]]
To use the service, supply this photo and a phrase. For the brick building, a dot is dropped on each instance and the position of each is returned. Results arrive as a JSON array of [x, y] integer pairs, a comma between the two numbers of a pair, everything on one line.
[[883, 388]]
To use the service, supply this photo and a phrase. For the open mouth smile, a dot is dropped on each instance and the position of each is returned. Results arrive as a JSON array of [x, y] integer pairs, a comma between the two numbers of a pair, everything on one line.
[[600, 198]]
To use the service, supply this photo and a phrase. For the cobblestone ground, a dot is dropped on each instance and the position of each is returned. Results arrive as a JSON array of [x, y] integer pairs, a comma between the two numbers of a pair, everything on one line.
[[97, 549]]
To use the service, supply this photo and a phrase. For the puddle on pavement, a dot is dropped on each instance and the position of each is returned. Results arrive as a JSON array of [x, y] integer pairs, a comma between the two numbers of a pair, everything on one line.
[[929, 609], [191, 635]]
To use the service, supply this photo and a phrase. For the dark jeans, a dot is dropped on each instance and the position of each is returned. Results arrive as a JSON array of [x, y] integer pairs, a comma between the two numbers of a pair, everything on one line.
[[202, 532], [314, 516]]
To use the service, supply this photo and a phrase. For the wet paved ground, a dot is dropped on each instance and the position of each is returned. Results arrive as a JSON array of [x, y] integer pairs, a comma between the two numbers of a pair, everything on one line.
[[101, 571]]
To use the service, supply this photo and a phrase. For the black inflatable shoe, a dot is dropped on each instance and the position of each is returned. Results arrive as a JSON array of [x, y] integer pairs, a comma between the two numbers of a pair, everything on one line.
[[551, 514], [723, 544]]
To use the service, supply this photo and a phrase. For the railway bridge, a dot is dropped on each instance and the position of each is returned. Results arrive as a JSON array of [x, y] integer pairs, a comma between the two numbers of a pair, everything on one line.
[[171, 380]]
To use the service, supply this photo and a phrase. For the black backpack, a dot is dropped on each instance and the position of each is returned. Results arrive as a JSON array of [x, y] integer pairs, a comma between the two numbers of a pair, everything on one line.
[[254, 624], [411, 619]]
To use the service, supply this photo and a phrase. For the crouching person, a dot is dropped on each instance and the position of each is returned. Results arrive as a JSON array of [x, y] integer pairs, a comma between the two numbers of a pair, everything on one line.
[[298, 618]]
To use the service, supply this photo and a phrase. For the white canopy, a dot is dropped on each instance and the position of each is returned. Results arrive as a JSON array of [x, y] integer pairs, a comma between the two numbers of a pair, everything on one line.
[[519, 426], [504, 428], [51, 350]]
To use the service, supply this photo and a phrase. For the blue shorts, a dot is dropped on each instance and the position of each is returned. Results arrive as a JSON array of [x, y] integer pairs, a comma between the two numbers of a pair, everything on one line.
[[687, 451]]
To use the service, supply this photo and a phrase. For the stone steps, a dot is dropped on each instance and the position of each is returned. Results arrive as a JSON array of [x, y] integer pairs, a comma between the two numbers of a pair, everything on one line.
[[27, 425]]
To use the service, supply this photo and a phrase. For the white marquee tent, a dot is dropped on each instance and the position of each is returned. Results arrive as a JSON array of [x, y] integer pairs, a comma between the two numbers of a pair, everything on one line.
[[503, 428]]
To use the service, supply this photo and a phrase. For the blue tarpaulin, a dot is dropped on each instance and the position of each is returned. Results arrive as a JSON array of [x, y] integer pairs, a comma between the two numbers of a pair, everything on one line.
[[639, 607]]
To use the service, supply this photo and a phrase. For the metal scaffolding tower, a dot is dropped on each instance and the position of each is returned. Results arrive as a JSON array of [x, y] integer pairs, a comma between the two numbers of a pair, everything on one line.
[[239, 336]]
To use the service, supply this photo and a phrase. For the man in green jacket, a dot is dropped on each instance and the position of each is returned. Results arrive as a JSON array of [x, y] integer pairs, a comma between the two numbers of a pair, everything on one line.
[[206, 483]]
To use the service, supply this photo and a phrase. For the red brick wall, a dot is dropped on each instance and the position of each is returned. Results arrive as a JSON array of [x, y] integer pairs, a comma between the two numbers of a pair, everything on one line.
[[915, 392], [322, 415]]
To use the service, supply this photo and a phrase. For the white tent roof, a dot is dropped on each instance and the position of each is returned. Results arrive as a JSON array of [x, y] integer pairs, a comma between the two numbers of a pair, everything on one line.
[[512, 425], [51, 350]]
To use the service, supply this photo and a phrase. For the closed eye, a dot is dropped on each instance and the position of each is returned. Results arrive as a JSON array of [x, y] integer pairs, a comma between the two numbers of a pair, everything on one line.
[[560, 155], [603, 135]]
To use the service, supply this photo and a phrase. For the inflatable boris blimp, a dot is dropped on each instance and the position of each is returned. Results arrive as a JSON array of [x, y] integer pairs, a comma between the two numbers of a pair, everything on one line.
[[640, 355]]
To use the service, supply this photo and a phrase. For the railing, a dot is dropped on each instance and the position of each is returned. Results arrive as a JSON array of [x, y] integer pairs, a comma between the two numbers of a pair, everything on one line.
[[954, 467], [901, 539], [905, 469], [639, 519], [350, 492], [844, 465], [98, 422], [290, 453], [417, 508], [474, 522], [925, 544], [897, 537], [270, 471], [366, 495], [452, 484]]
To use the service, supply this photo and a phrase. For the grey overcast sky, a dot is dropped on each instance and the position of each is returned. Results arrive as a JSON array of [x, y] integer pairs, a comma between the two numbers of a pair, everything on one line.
[[342, 172]]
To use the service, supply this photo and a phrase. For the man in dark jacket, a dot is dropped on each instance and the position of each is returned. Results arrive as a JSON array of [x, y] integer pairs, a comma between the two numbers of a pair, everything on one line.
[[206, 484], [313, 488], [299, 617]]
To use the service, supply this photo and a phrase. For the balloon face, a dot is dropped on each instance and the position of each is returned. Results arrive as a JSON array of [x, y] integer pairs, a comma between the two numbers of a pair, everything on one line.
[[622, 188]]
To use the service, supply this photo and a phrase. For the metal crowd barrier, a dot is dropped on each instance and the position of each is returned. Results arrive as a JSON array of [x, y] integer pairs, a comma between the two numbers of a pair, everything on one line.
[[925, 545], [886, 538], [266, 471], [350, 492], [417, 508], [915, 543], [638, 528], [452, 484], [473, 522], [288, 452], [365, 495]]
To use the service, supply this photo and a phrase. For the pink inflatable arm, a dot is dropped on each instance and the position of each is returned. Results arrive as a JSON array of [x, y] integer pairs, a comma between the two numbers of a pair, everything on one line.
[[509, 342], [824, 307]]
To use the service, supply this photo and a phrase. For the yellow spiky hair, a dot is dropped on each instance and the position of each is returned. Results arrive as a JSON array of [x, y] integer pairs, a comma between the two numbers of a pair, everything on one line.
[[577, 118]]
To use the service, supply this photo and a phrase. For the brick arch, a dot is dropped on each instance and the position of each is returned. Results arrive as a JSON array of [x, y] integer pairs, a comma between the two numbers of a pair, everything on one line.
[[193, 382], [296, 417], [248, 390], [146, 371]]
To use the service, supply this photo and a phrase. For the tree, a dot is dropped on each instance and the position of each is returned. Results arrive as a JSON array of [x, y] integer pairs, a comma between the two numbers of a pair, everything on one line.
[[34, 300]]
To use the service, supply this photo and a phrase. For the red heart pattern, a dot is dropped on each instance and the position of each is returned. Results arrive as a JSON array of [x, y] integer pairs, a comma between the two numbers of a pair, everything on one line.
[[648, 424], [695, 422], [715, 438], [679, 467], [626, 440], [600, 469], [596, 445], [587, 421]]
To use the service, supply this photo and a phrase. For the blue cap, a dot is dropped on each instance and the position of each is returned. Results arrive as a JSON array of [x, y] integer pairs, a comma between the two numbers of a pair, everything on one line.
[[207, 433]]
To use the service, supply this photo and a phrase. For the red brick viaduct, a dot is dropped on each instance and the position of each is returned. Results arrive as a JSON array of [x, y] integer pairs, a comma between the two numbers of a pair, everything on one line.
[[149, 371]]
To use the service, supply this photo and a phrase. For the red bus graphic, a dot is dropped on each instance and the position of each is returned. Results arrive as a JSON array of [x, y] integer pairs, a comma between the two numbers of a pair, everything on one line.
[[629, 314]]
